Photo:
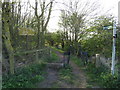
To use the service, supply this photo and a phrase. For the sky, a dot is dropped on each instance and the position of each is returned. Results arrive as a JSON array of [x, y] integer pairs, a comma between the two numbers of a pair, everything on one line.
[[107, 6], [110, 4]]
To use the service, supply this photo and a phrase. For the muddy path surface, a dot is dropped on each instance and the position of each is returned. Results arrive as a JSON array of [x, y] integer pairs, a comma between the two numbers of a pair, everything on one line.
[[52, 79]]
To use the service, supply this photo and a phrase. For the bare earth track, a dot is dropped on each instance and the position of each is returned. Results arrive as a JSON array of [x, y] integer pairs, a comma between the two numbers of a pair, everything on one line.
[[52, 77]]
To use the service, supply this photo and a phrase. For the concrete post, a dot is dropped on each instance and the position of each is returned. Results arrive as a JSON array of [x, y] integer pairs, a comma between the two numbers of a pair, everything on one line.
[[97, 63]]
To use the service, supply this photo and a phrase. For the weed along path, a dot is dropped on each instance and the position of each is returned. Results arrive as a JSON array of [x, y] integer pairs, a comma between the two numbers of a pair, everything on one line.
[[80, 76], [69, 77], [50, 79]]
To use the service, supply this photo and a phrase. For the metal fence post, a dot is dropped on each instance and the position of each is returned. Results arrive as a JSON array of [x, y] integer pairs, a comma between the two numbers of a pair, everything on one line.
[[113, 49]]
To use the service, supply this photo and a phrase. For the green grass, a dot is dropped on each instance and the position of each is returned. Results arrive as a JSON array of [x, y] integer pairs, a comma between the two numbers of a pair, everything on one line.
[[102, 77], [86, 68], [30, 75], [77, 60], [66, 74], [53, 57], [57, 49], [25, 77]]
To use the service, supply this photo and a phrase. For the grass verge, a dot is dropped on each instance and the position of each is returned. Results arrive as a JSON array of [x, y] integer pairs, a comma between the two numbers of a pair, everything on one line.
[[97, 77], [80, 63]]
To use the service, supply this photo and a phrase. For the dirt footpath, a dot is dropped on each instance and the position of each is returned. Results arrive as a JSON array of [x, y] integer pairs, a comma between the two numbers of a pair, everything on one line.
[[52, 78], [80, 77]]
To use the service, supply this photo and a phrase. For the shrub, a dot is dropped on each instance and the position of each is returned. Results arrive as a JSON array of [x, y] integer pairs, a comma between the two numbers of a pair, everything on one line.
[[108, 80], [25, 77], [102, 76]]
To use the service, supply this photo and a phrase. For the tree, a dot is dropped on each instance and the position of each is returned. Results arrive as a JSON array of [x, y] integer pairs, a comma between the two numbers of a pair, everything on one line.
[[55, 39], [6, 33], [99, 22], [73, 20], [11, 21], [42, 22], [99, 40]]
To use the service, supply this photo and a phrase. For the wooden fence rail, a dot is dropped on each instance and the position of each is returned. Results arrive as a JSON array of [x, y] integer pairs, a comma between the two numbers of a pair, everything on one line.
[[33, 51], [47, 51], [30, 51]]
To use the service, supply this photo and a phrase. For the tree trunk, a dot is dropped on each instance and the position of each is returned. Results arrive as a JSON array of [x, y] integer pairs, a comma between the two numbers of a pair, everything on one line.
[[45, 26], [41, 25], [11, 54], [6, 34], [63, 44]]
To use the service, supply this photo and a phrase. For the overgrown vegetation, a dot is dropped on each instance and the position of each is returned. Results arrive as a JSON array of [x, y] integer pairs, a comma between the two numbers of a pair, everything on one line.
[[66, 74], [100, 76], [23, 30], [53, 57], [25, 77], [29, 75], [77, 60], [57, 49], [27, 30]]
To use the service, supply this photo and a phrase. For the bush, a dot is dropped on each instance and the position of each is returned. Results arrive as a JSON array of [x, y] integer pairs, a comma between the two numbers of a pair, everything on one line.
[[108, 80], [25, 77], [102, 76]]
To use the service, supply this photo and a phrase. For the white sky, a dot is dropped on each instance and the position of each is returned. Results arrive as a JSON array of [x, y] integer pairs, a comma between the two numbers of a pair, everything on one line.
[[107, 5]]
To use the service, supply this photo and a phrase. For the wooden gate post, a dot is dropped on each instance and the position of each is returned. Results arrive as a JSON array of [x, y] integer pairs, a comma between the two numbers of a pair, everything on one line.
[[37, 55], [49, 52]]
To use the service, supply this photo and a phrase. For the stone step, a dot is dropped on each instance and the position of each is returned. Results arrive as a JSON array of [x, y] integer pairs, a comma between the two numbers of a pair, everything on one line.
[[55, 65]]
